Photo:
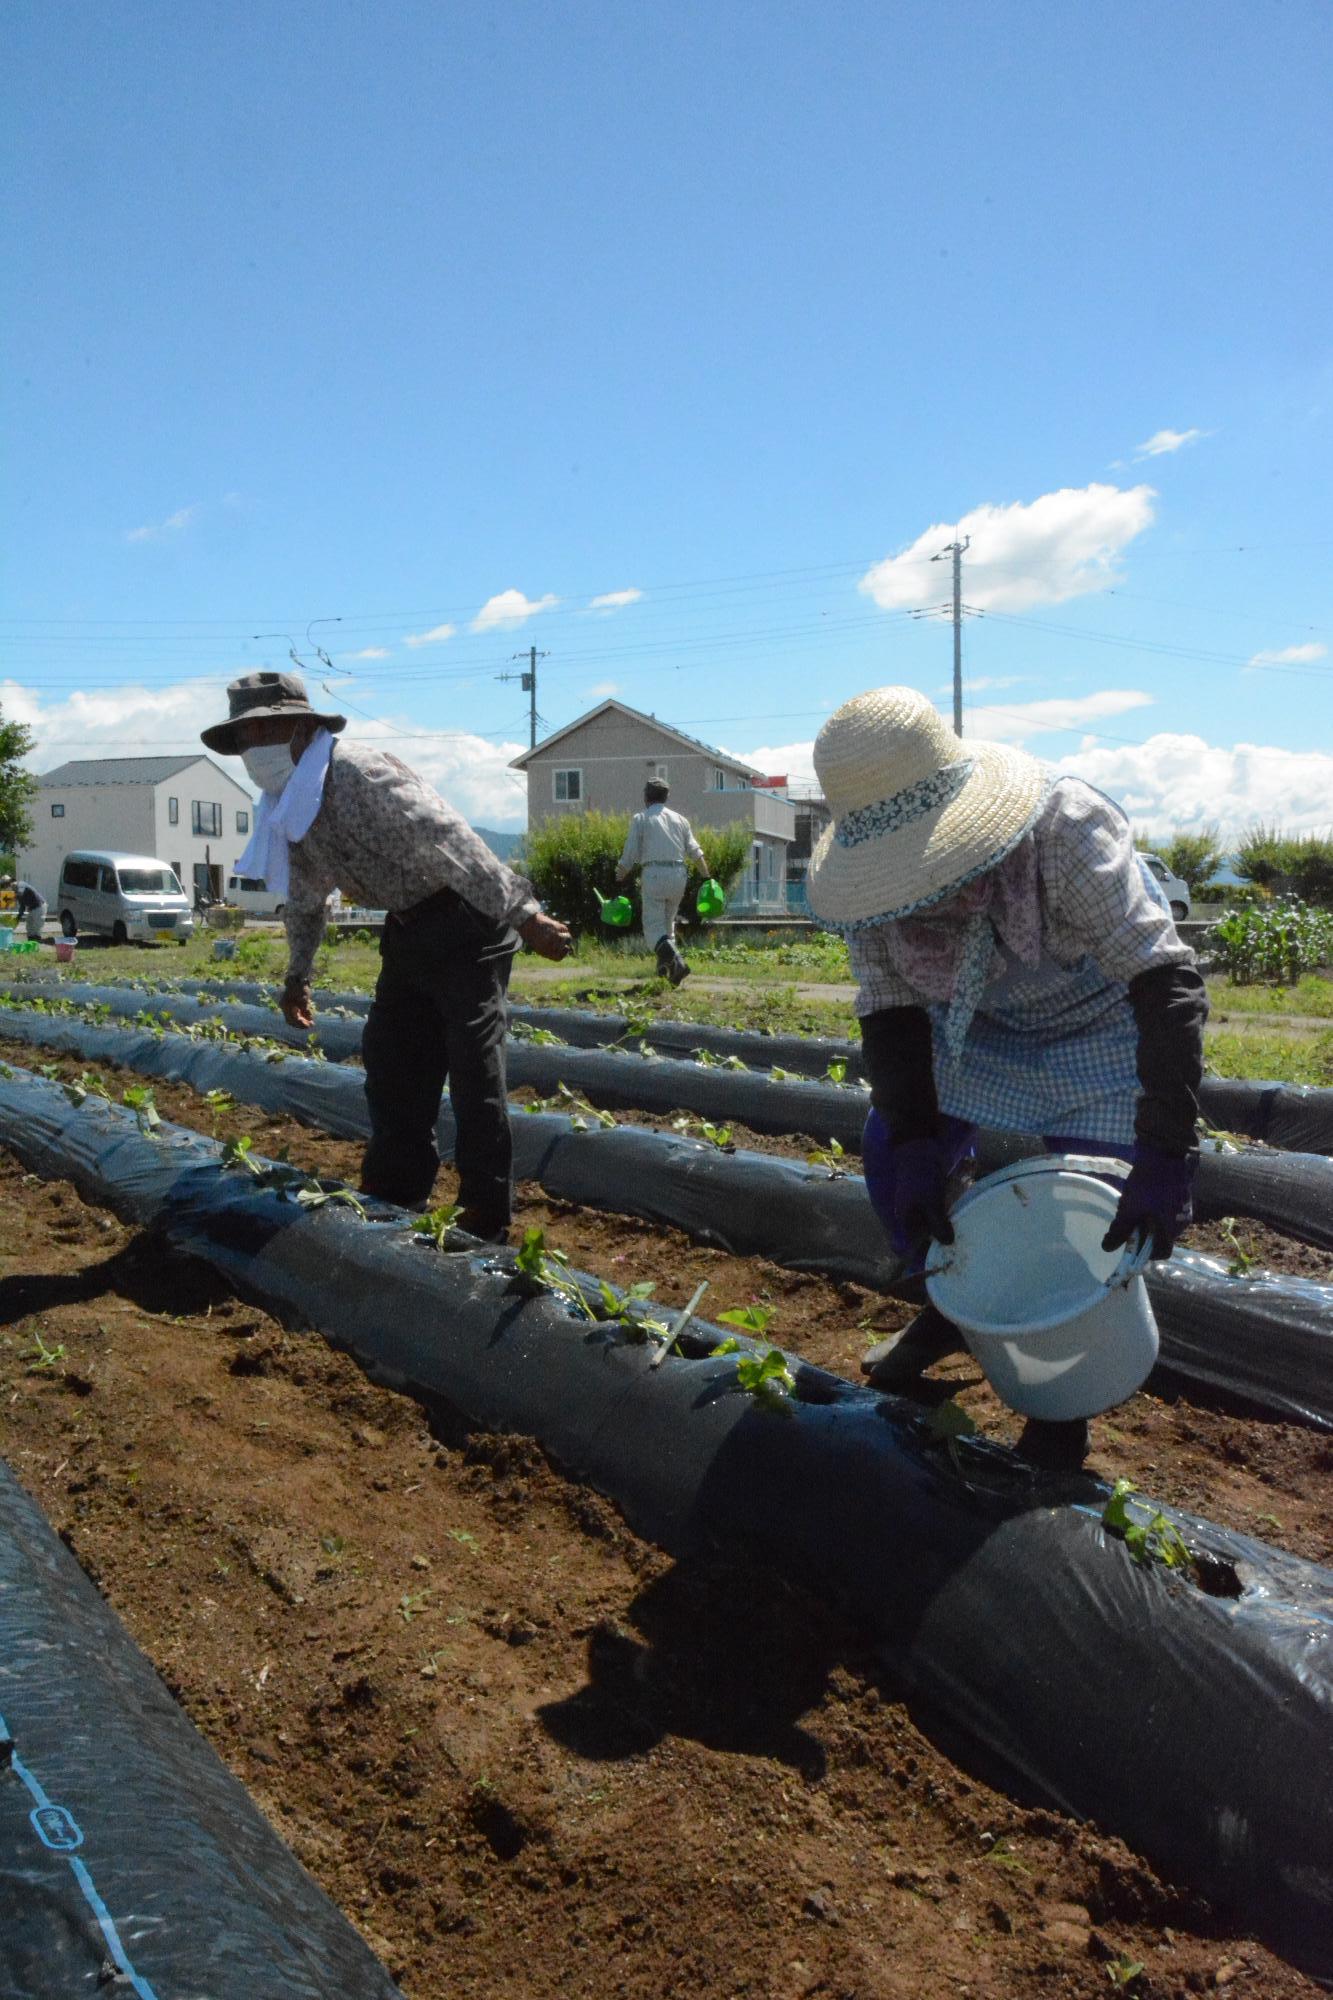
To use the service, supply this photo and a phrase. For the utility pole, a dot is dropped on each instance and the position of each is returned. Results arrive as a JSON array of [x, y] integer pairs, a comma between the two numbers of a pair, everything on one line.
[[528, 682], [955, 549]]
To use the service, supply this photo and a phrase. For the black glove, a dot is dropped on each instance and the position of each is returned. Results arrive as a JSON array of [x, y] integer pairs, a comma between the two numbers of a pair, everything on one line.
[[1170, 1005], [1155, 1203]]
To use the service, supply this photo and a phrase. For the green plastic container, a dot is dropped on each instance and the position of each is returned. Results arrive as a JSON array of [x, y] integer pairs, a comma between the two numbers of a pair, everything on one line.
[[617, 911], [711, 900]]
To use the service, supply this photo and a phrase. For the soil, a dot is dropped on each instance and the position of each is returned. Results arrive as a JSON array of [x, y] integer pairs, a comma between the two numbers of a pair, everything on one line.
[[527, 1753]]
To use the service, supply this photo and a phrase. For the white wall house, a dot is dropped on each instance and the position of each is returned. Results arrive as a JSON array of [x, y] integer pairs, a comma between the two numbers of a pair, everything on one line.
[[185, 811], [599, 762]]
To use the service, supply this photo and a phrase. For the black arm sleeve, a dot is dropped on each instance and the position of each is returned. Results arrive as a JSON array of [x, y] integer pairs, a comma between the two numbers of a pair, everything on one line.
[[896, 1045], [1170, 1005]]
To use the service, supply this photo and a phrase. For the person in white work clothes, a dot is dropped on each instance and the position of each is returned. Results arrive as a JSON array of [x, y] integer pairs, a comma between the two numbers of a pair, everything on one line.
[[661, 843]]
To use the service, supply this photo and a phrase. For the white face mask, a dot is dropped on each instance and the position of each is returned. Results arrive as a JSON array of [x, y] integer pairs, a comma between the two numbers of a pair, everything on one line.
[[269, 765]]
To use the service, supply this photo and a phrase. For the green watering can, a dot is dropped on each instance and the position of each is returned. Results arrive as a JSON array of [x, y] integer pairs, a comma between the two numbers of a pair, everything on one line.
[[617, 911], [710, 901]]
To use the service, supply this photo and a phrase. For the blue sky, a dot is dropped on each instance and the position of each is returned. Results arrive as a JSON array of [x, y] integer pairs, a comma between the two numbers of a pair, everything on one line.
[[393, 315]]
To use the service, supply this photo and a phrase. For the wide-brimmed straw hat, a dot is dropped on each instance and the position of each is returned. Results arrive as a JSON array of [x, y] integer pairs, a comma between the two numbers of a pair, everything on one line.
[[917, 812], [254, 698]]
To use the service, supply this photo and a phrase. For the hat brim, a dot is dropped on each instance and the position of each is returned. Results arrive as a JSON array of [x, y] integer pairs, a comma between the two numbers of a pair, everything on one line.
[[224, 736], [895, 874]]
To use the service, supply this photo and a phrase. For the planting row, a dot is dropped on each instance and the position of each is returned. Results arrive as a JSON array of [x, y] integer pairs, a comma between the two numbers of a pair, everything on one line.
[[1262, 1341], [1290, 1117], [725, 1089], [1129, 1612]]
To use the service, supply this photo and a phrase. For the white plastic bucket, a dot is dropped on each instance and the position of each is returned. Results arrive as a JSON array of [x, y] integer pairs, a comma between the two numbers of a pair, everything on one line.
[[1061, 1327]]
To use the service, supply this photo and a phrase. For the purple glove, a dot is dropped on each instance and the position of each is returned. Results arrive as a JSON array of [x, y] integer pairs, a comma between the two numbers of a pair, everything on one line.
[[906, 1184], [1155, 1204]]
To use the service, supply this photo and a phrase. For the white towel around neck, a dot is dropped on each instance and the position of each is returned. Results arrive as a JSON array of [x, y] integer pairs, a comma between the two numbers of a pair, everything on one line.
[[288, 817]]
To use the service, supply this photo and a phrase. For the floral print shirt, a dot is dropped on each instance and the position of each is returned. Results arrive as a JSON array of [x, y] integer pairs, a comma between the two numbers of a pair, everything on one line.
[[388, 840]]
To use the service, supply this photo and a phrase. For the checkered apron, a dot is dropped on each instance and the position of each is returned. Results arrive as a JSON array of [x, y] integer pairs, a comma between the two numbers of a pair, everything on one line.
[[1051, 1048]]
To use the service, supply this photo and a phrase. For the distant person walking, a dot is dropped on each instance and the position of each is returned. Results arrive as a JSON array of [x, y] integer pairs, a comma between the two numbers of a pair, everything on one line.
[[661, 843], [29, 907]]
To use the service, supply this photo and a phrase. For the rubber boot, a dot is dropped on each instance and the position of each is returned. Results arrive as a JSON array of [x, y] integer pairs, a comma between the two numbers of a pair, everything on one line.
[[670, 964], [1055, 1447], [897, 1363], [486, 1228]]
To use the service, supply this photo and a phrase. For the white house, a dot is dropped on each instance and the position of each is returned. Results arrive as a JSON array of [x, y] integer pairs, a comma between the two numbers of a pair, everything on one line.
[[185, 811]]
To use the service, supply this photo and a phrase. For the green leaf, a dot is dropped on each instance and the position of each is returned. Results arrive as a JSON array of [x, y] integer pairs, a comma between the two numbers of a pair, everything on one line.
[[750, 1319], [948, 1421]]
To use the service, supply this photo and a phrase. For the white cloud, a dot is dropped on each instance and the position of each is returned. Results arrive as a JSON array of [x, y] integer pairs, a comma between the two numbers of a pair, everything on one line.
[[1015, 722], [602, 690], [136, 721], [435, 637], [1289, 655], [509, 608], [1043, 551], [614, 600], [1161, 443], [1168, 781], [157, 531], [372, 653], [1184, 781], [796, 759]]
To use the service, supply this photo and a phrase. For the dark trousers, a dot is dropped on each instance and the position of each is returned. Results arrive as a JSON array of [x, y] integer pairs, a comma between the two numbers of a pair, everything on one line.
[[439, 1015]]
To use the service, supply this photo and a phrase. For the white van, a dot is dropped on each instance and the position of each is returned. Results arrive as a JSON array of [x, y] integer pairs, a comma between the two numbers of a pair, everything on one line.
[[124, 896], [249, 893]]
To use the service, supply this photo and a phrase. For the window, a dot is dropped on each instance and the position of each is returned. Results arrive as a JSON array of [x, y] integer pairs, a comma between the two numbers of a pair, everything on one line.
[[173, 812], [568, 787], [205, 817], [80, 874], [717, 780], [106, 881], [148, 882], [176, 871], [242, 822], [57, 812], [659, 772]]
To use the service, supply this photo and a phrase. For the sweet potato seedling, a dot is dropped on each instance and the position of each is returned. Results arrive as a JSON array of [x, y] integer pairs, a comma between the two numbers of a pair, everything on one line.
[[88, 1085], [764, 1376], [1242, 1260], [540, 1269], [833, 1158], [703, 1128], [1148, 1541], [141, 1101], [435, 1224]]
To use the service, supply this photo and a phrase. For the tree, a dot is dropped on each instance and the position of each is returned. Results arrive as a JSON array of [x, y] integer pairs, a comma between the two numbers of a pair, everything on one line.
[[1192, 856], [1264, 855], [17, 785]]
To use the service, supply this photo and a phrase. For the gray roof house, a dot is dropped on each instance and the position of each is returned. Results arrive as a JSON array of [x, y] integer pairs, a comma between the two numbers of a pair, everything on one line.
[[186, 811], [600, 762]]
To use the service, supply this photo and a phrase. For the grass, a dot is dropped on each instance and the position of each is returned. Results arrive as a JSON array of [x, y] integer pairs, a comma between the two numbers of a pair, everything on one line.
[[1311, 996], [615, 979], [1275, 1058]]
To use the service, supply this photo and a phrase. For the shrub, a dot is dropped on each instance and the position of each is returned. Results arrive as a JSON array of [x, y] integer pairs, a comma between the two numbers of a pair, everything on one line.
[[1262, 855], [572, 859], [1310, 869], [1275, 944]]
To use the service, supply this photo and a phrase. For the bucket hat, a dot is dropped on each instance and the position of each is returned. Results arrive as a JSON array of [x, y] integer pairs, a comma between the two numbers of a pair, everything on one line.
[[255, 697], [917, 812]]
